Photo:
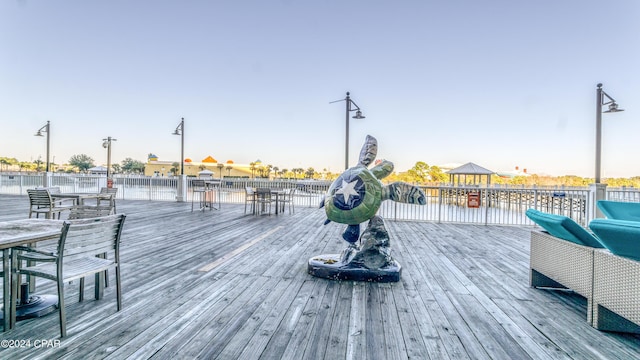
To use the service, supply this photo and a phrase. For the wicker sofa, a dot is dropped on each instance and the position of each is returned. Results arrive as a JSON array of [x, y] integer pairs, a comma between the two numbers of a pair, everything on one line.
[[616, 276], [562, 256], [561, 264]]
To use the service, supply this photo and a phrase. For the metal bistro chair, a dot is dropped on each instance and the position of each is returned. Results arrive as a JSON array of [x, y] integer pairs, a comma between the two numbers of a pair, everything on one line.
[[75, 213], [287, 198], [249, 198], [108, 195], [200, 188], [41, 202], [263, 200], [80, 252]]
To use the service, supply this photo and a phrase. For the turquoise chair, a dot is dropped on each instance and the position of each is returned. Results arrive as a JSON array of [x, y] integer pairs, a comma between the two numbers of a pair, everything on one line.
[[621, 237], [564, 228], [620, 210]]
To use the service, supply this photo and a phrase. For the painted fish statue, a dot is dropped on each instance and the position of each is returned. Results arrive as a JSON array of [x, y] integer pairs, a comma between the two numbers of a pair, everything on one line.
[[356, 195]]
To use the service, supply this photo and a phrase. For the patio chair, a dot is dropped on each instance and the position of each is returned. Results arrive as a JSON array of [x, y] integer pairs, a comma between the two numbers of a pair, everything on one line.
[[76, 212], [287, 199], [41, 202], [108, 195], [79, 253], [249, 198]]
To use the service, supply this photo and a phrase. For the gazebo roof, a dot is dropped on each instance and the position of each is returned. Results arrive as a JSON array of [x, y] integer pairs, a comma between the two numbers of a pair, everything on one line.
[[470, 169]]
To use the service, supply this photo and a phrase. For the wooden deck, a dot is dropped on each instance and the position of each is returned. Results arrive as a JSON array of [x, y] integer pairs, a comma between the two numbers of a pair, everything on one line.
[[224, 285]]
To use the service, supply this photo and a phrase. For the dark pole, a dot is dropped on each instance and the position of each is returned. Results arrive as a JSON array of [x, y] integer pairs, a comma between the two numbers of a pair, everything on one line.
[[598, 130], [108, 157], [346, 142], [48, 138], [182, 147]]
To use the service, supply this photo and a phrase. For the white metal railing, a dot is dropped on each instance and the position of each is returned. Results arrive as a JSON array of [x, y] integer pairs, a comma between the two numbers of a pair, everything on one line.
[[626, 194], [504, 205]]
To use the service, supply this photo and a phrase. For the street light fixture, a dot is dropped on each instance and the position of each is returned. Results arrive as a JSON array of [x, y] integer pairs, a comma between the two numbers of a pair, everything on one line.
[[47, 129], [106, 143], [602, 98], [180, 131], [358, 115]]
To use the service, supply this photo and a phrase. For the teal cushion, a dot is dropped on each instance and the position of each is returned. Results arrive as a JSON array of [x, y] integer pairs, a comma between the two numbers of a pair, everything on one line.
[[621, 237], [620, 210], [564, 227]]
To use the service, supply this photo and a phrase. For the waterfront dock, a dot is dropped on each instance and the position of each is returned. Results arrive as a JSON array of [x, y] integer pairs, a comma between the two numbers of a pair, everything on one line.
[[222, 284]]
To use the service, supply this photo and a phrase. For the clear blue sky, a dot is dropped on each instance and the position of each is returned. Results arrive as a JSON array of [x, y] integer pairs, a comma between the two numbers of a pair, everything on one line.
[[500, 83]]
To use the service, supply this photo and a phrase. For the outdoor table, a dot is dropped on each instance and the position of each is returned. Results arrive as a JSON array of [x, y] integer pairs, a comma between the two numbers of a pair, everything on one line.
[[77, 197], [23, 232], [212, 186], [278, 193]]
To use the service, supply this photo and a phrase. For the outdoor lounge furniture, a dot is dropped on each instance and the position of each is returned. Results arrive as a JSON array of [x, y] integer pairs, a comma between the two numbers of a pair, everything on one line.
[[80, 252], [620, 210], [616, 276], [621, 237], [562, 257], [616, 293]]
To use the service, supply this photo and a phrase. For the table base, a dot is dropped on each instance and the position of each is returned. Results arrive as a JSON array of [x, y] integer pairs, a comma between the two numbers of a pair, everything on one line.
[[36, 306]]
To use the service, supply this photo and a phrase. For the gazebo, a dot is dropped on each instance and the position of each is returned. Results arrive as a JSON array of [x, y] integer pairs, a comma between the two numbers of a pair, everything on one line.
[[469, 169]]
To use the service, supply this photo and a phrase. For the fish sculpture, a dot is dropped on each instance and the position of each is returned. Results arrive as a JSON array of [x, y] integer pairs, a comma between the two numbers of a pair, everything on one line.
[[356, 195]]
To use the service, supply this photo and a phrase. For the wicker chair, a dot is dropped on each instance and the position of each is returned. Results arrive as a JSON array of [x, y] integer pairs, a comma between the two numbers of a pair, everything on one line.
[[561, 264], [616, 293], [80, 248]]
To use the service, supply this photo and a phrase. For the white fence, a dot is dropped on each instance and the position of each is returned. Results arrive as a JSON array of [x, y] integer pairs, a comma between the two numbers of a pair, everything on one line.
[[473, 205]]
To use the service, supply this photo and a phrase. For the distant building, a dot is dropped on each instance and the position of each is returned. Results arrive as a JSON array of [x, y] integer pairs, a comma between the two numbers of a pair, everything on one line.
[[158, 168], [513, 173]]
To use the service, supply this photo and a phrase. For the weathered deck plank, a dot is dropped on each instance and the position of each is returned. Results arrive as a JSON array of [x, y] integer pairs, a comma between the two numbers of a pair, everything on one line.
[[224, 285]]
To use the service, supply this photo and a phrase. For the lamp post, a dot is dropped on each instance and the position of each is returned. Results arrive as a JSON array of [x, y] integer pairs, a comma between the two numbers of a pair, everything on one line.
[[47, 129], [180, 131], [358, 115], [601, 96], [106, 143]]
